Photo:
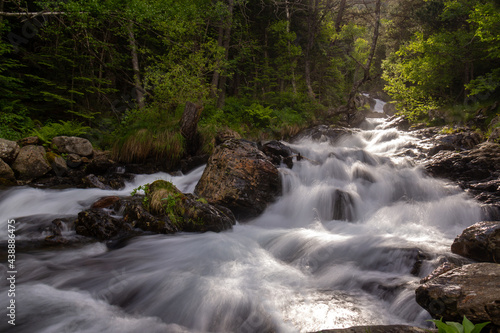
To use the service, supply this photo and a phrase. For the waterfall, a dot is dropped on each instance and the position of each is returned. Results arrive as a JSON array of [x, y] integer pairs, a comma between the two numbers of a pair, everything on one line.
[[356, 228]]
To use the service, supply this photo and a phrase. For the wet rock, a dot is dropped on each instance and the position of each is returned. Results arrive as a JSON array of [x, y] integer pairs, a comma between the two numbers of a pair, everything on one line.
[[240, 177], [73, 161], [279, 153], [470, 290], [226, 134], [390, 109], [461, 140], [323, 133], [73, 145], [57, 163], [6, 172], [105, 202], [192, 162], [379, 329], [31, 163], [480, 241], [343, 206], [100, 164], [91, 181], [135, 214], [30, 140], [443, 268], [99, 224], [186, 211], [8, 150]]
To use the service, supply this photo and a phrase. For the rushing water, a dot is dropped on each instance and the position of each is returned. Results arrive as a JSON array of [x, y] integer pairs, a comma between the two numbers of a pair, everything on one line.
[[293, 269]]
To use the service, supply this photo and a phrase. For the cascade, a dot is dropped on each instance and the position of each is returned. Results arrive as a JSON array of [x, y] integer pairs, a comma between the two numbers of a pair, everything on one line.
[[358, 225]]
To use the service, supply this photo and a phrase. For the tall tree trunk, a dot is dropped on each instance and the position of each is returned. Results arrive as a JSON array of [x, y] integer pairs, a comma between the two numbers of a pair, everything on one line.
[[311, 34], [288, 21], [227, 40], [139, 91], [215, 79], [340, 15], [351, 104]]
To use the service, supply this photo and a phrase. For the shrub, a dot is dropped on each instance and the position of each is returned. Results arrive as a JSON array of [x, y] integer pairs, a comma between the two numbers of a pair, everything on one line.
[[67, 128], [453, 327]]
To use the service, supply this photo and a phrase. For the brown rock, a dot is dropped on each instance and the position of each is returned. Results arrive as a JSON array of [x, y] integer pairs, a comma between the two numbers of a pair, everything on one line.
[[224, 135], [480, 241], [105, 202], [8, 150], [30, 140], [471, 291], [6, 172], [73, 145], [240, 177], [31, 163]]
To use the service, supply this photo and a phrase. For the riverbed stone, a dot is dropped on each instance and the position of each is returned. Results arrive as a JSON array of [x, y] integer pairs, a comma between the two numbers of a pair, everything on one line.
[[471, 290], [240, 177], [73, 145], [57, 163], [99, 224], [8, 150], [73, 161], [187, 212], [480, 241], [379, 329], [6, 172], [31, 163]]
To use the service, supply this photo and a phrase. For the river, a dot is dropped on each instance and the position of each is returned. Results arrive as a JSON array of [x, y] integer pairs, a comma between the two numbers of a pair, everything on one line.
[[292, 269]]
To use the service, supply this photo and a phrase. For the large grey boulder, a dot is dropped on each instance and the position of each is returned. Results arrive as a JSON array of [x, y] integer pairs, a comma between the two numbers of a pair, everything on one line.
[[31, 163], [240, 177], [8, 150], [480, 241], [73, 145], [471, 290]]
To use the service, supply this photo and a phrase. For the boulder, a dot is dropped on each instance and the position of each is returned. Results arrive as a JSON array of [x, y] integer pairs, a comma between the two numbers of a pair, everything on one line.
[[279, 153], [137, 216], [73, 145], [57, 163], [186, 211], [100, 164], [31, 163], [6, 172], [226, 134], [471, 291], [8, 150], [323, 133], [73, 161], [105, 202], [390, 109], [92, 181], [30, 140], [343, 206], [495, 135], [378, 329], [99, 224], [480, 241], [240, 177]]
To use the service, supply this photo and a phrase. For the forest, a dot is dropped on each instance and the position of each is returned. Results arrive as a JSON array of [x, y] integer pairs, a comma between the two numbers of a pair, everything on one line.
[[121, 72]]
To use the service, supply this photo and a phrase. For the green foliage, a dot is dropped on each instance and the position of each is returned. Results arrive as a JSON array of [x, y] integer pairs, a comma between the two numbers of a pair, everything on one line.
[[453, 327], [66, 128], [142, 188], [172, 204]]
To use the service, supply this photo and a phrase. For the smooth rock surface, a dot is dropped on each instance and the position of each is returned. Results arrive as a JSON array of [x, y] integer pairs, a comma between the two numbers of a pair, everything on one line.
[[8, 150], [31, 163]]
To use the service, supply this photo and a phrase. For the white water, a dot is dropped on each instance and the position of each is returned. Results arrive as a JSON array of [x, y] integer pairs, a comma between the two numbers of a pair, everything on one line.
[[293, 269]]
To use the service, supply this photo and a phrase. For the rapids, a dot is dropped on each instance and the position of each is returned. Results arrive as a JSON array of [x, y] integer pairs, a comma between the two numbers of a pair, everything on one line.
[[292, 269]]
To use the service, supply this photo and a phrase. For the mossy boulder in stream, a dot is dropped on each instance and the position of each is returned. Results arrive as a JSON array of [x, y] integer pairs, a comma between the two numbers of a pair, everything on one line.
[[186, 212]]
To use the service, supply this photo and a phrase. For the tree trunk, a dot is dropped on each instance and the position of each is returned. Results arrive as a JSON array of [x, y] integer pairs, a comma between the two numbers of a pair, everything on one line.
[[351, 105], [215, 79], [227, 40], [139, 91], [288, 20], [189, 127]]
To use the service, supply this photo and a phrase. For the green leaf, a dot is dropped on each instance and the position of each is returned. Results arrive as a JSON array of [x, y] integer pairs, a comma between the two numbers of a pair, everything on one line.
[[468, 325], [479, 327]]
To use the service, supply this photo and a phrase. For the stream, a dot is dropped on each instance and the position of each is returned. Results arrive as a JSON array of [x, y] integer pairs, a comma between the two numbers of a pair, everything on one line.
[[292, 269]]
